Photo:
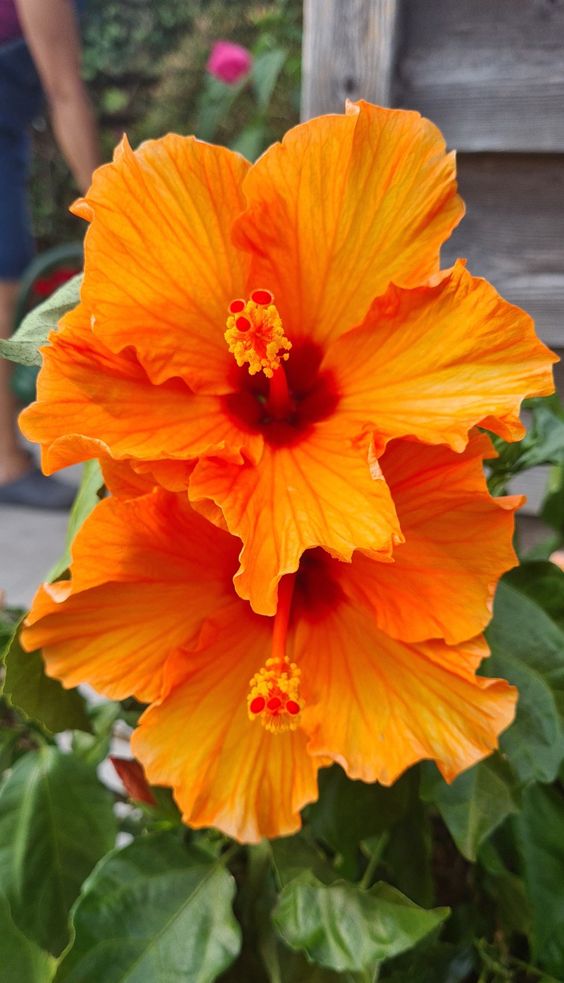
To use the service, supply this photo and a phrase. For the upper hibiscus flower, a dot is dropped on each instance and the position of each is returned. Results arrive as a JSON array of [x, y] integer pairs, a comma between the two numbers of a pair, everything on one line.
[[365, 663], [257, 334]]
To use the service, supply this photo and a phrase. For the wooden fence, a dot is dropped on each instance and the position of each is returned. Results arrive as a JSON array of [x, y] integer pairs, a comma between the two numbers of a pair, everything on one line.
[[490, 73]]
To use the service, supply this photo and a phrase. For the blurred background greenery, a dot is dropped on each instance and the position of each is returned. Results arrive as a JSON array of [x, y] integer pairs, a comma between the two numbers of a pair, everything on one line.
[[145, 65]]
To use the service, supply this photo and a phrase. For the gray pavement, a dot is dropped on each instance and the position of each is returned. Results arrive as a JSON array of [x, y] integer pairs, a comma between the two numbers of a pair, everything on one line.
[[31, 540]]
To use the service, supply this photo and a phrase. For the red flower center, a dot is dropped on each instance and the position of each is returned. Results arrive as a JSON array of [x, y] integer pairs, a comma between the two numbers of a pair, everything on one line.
[[281, 390]]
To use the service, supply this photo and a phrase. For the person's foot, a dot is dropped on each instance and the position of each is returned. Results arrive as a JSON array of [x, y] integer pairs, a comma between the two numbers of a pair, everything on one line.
[[37, 491]]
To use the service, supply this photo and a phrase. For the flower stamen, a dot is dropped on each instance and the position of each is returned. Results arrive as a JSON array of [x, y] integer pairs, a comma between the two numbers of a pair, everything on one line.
[[255, 335], [274, 695]]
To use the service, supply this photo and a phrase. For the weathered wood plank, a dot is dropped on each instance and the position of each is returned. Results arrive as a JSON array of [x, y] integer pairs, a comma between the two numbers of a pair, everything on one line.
[[348, 53], [513, 231], [543, 297], [490, 73]]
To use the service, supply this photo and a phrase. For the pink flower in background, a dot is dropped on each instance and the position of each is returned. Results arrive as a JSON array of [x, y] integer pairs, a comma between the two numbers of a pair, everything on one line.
[[229, 62]]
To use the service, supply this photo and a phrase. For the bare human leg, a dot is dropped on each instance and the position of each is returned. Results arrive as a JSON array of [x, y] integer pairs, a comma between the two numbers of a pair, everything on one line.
[[14, 461]]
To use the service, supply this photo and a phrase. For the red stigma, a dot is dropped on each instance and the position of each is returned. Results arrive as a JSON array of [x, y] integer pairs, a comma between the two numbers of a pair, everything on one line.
[[242, 323], [274, 703], [257, 704], [236, 306], [262, 297], [292, 707]]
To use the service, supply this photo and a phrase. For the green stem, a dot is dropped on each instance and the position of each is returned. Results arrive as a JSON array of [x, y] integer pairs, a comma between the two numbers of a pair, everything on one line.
[[532, 970], [228, 855], [369, 872]]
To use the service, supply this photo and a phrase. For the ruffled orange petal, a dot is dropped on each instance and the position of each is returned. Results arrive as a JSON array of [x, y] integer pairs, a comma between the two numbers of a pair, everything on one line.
[[172, 475], [157, 538], [226, 771], [128, 479], [377, 705], [92, 403], [458, 543], [319, 492], [433, 362], [138, 590], [99, 637], [120, 479], [341, 208], [160, 267]]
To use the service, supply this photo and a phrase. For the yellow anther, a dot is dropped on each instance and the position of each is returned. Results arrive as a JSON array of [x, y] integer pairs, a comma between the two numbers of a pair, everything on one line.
[[255, 335], [274, 696]]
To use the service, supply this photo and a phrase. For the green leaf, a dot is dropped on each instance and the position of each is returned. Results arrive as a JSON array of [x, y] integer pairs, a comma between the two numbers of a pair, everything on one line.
[[56, 821], [27, 688], [251, 141], [553, 506], [434, 962], [506, 890], [21, 960], [8, 751], [87, 498], [344, 928], [475, 803], [528, 650], [350, 811], [543, 582], [155, 911], [543, 444], [214, 105], [264, 74], [9, 620], [94, 747], [23, 346], [293, 967], [407, 854], [540, 828], [294, 854]]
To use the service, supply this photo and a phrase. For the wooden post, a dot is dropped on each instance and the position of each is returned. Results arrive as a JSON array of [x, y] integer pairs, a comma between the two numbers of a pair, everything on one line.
[[348, 53]]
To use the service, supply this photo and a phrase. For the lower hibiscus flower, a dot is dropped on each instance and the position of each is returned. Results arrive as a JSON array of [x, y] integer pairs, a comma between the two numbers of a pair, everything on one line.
[[371, 664]]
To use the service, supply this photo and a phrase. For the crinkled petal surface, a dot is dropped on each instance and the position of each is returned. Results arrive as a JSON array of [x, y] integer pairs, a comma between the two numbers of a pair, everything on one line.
[[139, 589], [377, 705], [432, 362], [160, 268], [100, 637], [320, 492], [341, 208], [226, 771], [91, 402], [121, 480], [458, 542]]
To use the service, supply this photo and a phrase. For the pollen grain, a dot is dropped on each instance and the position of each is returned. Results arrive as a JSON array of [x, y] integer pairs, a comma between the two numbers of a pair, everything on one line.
[[255, 334], [274, 696]]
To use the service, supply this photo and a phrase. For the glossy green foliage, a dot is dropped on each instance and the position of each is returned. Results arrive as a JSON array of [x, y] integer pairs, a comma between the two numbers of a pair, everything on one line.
[[156, 910], [56, 822], [23, 346]]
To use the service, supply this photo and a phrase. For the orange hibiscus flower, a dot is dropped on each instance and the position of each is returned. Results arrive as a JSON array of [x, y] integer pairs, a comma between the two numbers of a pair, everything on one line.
[[366, 663], [257, 334]]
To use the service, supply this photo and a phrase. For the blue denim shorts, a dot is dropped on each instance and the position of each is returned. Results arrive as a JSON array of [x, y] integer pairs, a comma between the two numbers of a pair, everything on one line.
[[16, 240], [21, 99]]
